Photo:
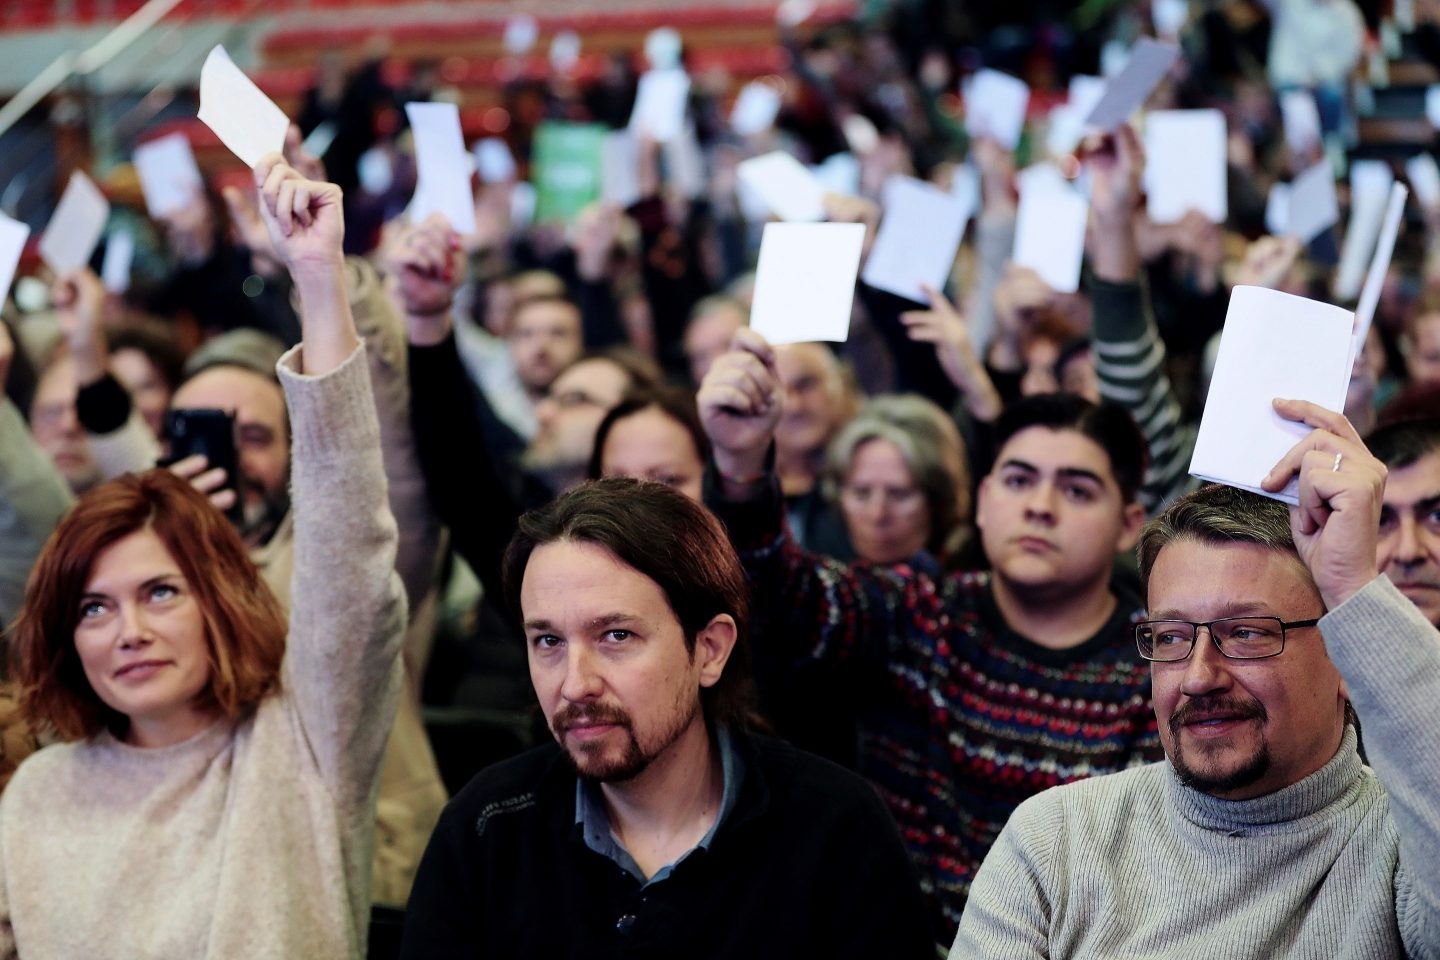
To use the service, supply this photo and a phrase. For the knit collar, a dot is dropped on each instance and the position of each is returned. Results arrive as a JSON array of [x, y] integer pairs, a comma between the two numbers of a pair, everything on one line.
[[1299, 800]]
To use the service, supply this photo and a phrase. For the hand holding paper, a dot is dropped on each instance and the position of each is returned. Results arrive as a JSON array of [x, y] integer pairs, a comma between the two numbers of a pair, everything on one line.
[[245, 120], [75, 229]]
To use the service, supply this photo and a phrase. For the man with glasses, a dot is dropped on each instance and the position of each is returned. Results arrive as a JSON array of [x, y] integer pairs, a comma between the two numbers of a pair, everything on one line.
[[1263, 834]]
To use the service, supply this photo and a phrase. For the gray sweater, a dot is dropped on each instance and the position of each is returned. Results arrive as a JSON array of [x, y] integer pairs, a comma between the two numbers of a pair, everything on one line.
[[1343, 864], [252, 839]]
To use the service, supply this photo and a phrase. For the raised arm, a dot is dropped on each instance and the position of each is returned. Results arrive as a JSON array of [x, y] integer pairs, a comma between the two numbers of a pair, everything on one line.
[[1385, 649], [347, 618], [823, 607]]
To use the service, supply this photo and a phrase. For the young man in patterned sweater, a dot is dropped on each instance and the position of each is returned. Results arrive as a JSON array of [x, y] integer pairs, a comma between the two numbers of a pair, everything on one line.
[[976, 690]]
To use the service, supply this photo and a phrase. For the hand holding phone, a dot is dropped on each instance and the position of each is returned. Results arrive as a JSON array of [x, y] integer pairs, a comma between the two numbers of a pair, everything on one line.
[[210, 434]]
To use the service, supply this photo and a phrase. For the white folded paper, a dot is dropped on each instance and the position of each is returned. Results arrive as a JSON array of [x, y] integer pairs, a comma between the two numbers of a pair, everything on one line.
[[805, 281], [755, 109], [918, 238], [784, 185], [1185, 164], [1273, 345], [245, 120], [494, 161], [119, 254], [1050, 227], [169, 176], [1128, 90], [1370, 182], [442, 165], [13, 235], [995, 105], [75, 229], [660, 102], [1313, 207]]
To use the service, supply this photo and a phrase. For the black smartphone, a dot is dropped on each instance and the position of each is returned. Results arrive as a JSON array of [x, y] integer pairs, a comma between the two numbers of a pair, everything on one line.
[[211, 433]]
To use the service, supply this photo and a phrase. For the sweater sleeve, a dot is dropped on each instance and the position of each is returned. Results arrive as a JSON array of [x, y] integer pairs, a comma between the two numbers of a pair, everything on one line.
[[1010, 909], [1130, 365], [1389, 655], [347, 618], [829, 611], [33, 498]]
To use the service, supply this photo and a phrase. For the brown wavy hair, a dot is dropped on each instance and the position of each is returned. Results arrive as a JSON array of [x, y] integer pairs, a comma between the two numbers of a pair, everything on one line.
[[245, 626]]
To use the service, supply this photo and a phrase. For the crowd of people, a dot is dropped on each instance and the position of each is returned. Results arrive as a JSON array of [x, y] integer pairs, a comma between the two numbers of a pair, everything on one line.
[[873, 649]]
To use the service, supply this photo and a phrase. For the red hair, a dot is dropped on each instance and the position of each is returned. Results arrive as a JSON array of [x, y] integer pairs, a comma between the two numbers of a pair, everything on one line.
[[245, 626]]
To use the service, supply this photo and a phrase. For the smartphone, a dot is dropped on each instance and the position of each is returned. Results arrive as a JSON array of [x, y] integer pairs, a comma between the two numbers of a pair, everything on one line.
[[211, 433]]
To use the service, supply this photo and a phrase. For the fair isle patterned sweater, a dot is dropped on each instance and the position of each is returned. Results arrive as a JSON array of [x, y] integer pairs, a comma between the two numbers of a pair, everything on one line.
[[962, 719]]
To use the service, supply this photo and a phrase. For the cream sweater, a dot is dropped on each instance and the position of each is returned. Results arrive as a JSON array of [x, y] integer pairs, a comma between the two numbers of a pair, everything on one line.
[[252, 839]]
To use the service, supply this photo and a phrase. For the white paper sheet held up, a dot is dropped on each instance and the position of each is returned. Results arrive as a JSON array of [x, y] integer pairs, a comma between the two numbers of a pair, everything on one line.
[[565, 51], [1370, 182], [169, 176], [75, 229], [1185, 164], [790, 190], [755, 109], [1313, 206], [917, 240], [660, 102], [620, 169], [1424, 177], [840, 173], [1301, 119], [442, 165], [805, 281], [1273, 345], [1379, 265], [1128, 90], [995, 105], [13, 235], [494, 161], [245, 120], [1050, 228], [119, 254], [1277, 209], [1432, 105]]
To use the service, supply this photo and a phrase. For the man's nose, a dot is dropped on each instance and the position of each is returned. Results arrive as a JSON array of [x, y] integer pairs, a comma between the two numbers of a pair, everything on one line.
[[582, 679], [1206, 670], [1040, 500]]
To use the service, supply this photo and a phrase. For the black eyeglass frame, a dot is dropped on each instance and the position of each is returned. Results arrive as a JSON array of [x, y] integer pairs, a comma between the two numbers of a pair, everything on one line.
[[1209, 626]]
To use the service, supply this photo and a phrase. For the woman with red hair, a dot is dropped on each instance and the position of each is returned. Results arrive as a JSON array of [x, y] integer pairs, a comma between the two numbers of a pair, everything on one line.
[[213, 792]]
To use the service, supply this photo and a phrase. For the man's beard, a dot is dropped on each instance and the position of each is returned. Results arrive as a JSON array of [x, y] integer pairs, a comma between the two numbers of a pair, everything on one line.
[[1248, 773], [590, 761], [262, 517]]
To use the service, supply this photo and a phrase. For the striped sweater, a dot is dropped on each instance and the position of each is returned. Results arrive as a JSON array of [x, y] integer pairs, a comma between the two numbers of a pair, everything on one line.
[[961, 718]]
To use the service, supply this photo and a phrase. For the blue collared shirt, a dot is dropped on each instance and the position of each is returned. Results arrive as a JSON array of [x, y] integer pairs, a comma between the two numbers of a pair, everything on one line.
[[594, 823]]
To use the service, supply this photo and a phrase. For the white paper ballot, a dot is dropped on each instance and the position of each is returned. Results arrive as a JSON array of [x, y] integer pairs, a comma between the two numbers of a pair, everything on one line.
[[1313, 208], [1050, 227], [1185, 164], [995, 105], [1273, 345], [1370, 182], [784, 184], [1301, 120], [169, 177], [860, 134], [660, 102], [494, 161], [119, 254], [662, 48], [1379, 265], [840, 173], [805, 281], [755, 109], [245, 120], [1424, 177], [565, 51], [521, 32], [13, 235], [918, 238], [1277, 209], [1128, 90], [620, 169], [685, 164], [1067, 123], [1169, 16], [75, 229], [442, 165], [1432, 105]]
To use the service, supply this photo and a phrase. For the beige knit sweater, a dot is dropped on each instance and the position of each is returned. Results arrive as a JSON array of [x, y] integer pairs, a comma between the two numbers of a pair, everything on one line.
[[252, 839]]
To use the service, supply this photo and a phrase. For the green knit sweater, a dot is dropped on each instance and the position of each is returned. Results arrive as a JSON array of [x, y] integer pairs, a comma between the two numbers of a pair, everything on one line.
[[1343, 864]]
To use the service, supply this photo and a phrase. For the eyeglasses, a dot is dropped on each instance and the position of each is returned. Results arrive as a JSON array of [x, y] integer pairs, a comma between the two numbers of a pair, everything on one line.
[[573, 398], [1239, 638]]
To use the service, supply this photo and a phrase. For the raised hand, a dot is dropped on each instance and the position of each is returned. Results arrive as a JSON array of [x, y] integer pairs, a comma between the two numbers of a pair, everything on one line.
[[306, 226], [425, 261], [250, 232], [306, 164], [1336, 524], [740, 402], [79, 299], [1115, 163], [593, 238], [944, 327], [1267, 262]]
